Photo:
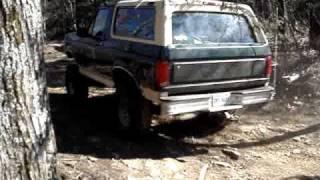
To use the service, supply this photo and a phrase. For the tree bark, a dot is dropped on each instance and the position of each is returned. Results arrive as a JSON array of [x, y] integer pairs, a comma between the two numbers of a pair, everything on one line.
[[27, 141], [315, 26], [264, 8]]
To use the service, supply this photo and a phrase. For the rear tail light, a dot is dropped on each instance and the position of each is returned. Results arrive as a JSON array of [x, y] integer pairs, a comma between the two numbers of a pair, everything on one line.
[[162, 73], [268, 66]]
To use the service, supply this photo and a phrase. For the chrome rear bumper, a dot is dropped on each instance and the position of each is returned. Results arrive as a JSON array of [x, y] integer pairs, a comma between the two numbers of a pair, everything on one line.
[[215, 102]]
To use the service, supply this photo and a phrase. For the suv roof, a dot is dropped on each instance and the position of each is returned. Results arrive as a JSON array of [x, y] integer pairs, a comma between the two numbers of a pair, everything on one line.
[[171, 6], [177, 2], [219, 5]]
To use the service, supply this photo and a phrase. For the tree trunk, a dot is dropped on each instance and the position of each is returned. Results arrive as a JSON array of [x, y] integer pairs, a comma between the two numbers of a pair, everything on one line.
[[283, 14], [315, 26], [264, 8], [27, 141]]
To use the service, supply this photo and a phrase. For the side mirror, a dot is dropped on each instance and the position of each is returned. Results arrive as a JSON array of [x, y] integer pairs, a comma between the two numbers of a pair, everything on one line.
[[82, 32], [99, 36]]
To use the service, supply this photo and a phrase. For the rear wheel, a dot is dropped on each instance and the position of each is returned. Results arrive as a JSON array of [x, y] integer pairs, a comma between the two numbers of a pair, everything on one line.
[[76, 84], [134, 112]]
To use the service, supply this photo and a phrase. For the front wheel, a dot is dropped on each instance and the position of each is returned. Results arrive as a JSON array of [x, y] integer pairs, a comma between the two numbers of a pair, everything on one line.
[[76, 84]]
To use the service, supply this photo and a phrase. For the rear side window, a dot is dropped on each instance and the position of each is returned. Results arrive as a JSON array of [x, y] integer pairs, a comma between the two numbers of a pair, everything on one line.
[[135, 22], [208, 27]]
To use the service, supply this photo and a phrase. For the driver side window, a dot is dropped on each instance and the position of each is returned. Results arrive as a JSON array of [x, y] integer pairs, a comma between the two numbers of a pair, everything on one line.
[[99, 26]]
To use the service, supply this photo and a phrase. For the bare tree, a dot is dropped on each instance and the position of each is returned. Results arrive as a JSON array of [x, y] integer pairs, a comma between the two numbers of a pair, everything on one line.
[[27, 141], [315, 26], [264, 8]]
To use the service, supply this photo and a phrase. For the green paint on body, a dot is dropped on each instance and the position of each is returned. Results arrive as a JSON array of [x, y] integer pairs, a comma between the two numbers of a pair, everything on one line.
[[215, 52]]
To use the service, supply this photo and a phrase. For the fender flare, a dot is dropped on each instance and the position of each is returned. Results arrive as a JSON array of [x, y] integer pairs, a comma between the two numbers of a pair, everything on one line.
[[126, 73]]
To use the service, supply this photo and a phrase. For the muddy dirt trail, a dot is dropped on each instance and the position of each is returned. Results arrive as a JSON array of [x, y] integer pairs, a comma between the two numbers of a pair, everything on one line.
[[277, 141]]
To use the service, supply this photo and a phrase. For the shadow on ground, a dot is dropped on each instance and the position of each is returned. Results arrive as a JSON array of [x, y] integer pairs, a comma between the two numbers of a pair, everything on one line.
[[303, 178], [267, 141], [90, 128], [56, 72]]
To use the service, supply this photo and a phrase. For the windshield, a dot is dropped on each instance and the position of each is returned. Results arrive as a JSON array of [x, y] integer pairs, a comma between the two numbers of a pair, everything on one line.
[[208, 27]]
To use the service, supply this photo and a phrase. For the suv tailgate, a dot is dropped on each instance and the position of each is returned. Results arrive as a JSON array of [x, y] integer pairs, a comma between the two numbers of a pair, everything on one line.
[[229, 68]]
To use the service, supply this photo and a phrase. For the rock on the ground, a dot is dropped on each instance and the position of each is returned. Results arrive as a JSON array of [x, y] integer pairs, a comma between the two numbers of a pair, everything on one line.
[[92, 159], [232, 153], [222, 164], [296, 151]]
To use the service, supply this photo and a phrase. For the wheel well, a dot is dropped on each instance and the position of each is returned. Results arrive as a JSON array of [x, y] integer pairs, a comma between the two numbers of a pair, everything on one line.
[[121, 75]]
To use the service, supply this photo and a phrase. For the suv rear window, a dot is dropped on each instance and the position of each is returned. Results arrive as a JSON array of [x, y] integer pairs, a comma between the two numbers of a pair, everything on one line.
[[208, 27], [135, 22]]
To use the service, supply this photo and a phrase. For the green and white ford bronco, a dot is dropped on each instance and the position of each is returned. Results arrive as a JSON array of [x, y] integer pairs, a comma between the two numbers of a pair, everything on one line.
[[172, 58]]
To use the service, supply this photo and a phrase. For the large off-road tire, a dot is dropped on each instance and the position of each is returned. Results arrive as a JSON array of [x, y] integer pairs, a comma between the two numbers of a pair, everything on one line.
[[134, 112], [76, 84]]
